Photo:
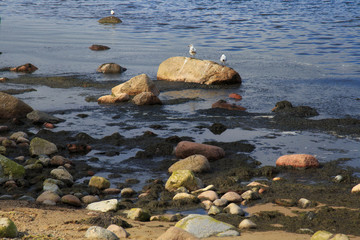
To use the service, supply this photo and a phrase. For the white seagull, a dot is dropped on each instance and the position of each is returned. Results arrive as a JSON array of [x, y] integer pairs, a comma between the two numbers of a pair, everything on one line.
[[112, 12], [192, 50], [223, 58]]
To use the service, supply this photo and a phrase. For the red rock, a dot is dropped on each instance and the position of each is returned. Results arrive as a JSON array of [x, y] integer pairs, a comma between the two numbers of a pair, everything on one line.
[[96, 47], [90, 173], [298, 161], [26, 68], [235, 96], [225, 105], [48, 125], [185, 149]]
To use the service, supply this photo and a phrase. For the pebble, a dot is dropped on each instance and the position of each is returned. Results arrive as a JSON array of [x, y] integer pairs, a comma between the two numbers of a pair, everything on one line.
[[71, 200], [232, 197], [214, 210], [184, 196], [233, 208], [247, 224], [118, 231], [208, 195], [220, 202], [127, 192]]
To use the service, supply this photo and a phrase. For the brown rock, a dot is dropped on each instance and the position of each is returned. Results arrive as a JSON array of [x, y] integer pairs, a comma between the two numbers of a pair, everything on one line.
[[298, 161], [175, 233], [47, 195], [136, 85], [197, 71], [90, 199], [110, 20], [111, 191], [96, 47], [229, 106], [58, 160], [110, 99], [120, 232], [232, 197], [110, 68], [195, 163], [26, 68], [185, 149], [71, 200], [12, 107], [146, 98]]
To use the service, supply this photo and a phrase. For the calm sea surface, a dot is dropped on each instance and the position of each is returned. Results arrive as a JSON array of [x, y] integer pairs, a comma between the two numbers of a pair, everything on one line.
[[304, 51]]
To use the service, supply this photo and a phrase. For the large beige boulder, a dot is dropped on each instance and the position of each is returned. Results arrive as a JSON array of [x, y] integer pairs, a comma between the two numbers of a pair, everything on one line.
[[12, 107], [197, 71], [136, 85]]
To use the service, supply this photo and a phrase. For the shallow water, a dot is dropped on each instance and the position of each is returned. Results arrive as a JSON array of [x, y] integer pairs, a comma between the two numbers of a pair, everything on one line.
[[304, 51]]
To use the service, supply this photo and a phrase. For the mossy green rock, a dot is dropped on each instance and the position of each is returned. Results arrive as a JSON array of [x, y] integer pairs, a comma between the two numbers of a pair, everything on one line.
[[2, 150], [7, 228], [203, 226], [110, 20], [181, 178], [99, 182], [10, 169], [39, 146]]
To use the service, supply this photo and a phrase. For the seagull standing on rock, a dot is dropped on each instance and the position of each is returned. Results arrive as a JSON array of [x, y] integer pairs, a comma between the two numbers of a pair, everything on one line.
[[112, 12], [192, 50], [223, 59]]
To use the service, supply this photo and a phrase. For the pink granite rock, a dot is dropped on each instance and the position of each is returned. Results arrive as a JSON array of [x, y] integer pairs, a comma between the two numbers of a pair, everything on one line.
[[185, 149], [298, 161]]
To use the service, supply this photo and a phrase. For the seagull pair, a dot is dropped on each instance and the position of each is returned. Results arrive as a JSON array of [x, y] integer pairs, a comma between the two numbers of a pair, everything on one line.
[[192, 51]]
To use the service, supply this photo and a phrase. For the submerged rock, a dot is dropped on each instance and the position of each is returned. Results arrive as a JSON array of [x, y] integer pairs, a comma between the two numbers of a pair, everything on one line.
[[285, 107], [99, 182], [42, 117], [12, 107], [96, 47], [197, 71], [229, 106], [110, 68], [26, 68]]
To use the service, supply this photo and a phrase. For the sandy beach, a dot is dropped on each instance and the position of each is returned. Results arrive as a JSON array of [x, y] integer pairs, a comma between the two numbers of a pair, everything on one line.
[[43, 222]]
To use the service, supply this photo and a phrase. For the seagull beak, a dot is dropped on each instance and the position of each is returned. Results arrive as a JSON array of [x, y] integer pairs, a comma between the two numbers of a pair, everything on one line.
[[274, 109]]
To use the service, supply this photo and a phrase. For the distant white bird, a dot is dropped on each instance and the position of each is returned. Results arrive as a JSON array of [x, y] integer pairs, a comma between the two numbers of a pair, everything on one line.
[[112, 12], [223, 58], [192, 50]]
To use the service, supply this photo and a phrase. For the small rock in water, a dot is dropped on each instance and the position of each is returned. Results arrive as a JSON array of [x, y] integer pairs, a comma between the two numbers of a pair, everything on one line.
[[96, 47], [26, 68], [110, 20]]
